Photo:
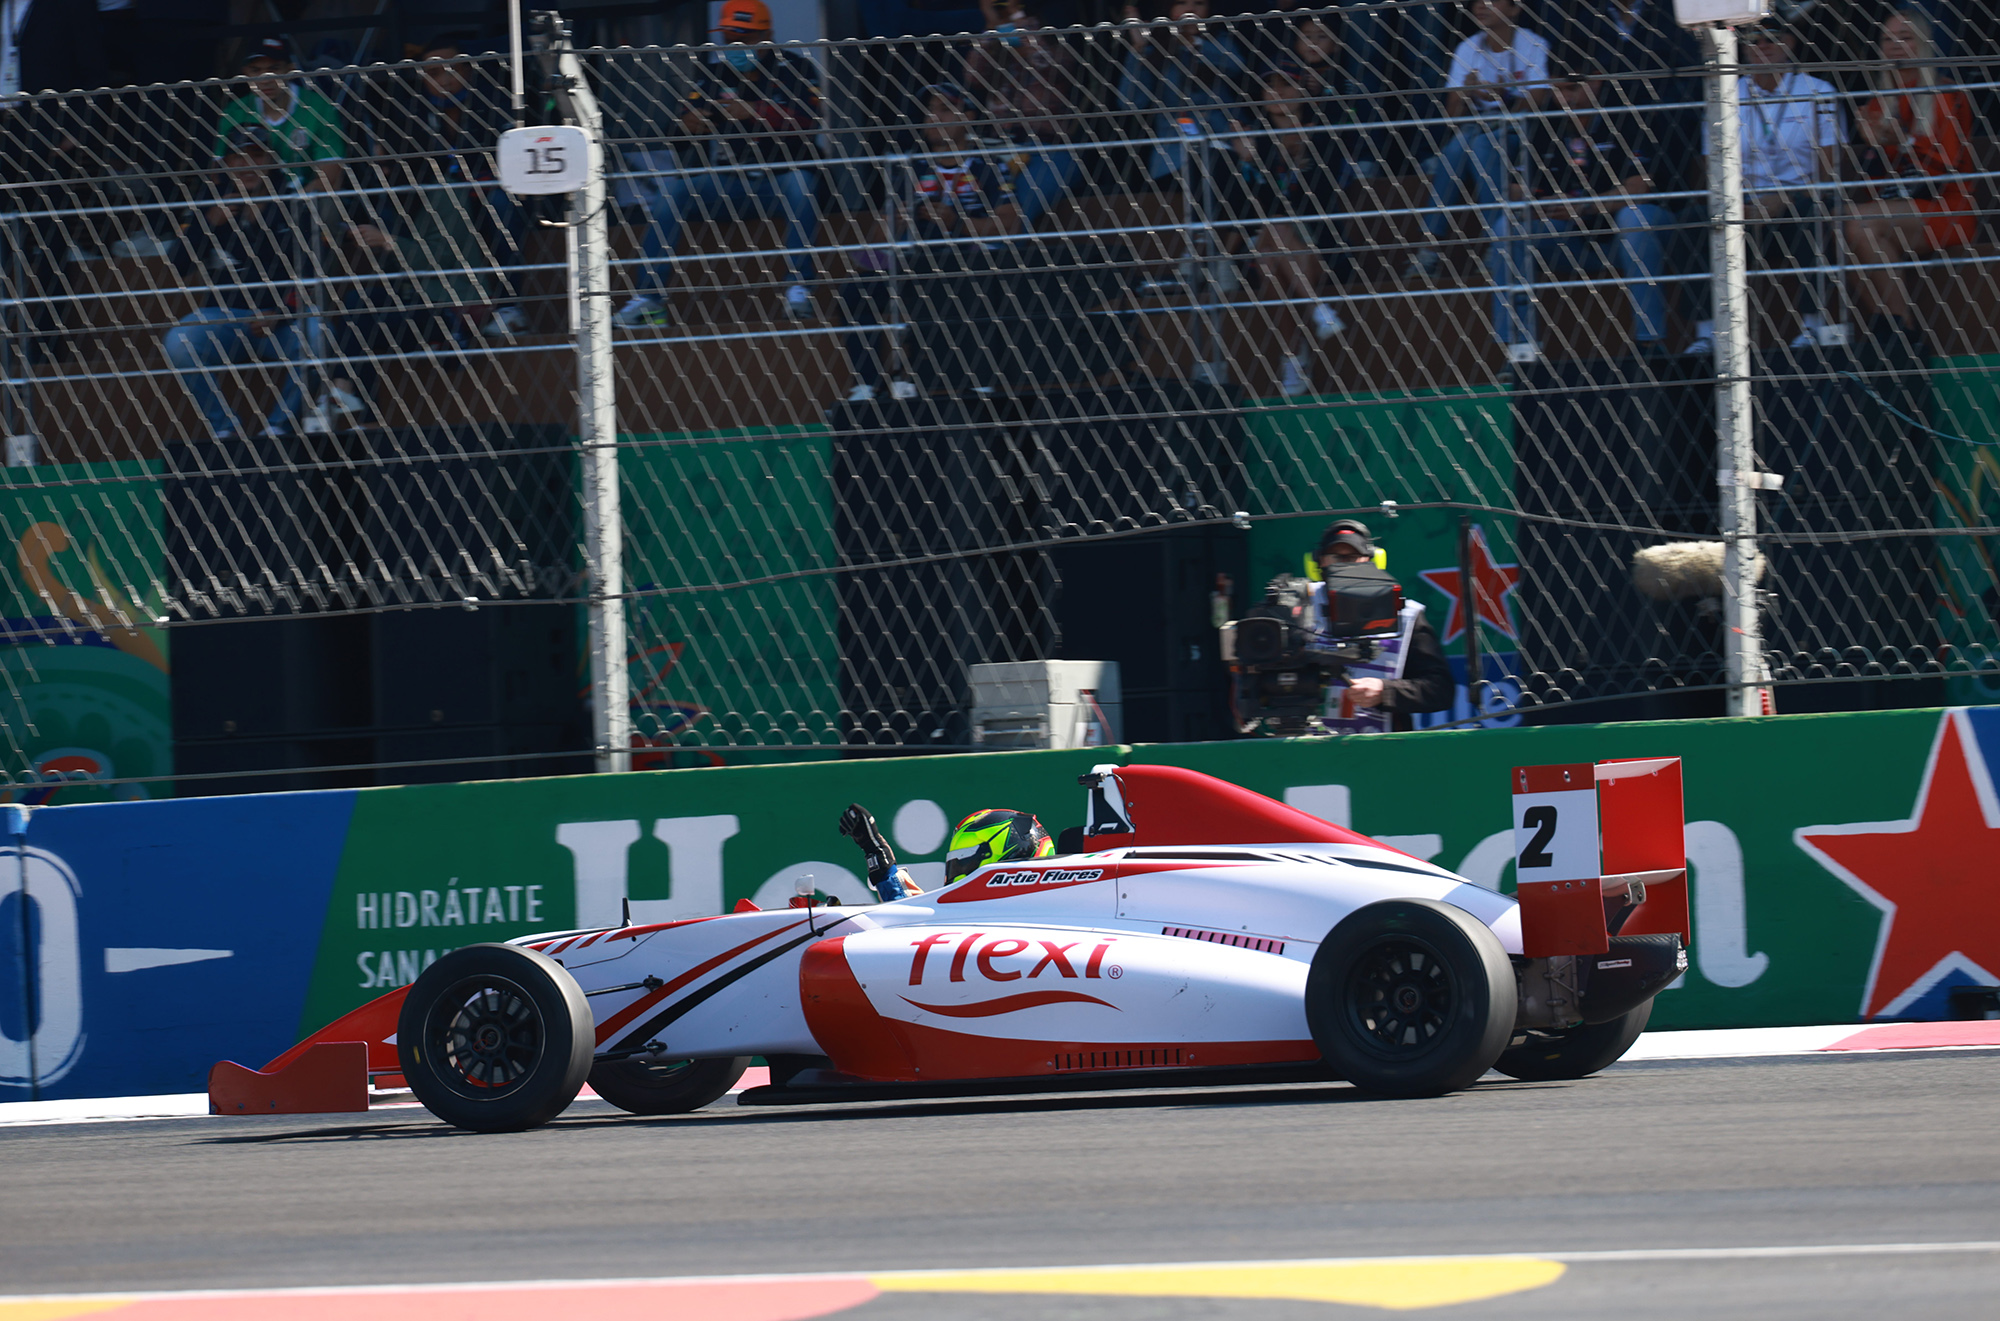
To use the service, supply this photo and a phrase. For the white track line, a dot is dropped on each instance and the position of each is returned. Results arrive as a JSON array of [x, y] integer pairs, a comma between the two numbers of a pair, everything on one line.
[[1847, 1038], [1800, 1250], [103, 1110], [194, 1105], [490, 1286], [1736, 1043], [1719, 1043]]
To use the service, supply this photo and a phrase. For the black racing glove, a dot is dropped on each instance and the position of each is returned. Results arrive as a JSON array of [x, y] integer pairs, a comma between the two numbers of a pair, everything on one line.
[[859, 826]]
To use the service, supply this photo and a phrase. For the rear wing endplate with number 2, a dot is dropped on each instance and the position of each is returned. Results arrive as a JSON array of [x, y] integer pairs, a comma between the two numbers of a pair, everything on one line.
[[1599, 850]]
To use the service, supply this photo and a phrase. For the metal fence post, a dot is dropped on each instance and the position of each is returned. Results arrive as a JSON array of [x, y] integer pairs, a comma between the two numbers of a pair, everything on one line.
[[14, 822], [597, 435], [1735, 452], [1475, 668]]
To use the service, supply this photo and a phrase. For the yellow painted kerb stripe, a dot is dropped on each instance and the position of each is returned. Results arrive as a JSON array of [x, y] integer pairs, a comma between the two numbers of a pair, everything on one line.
[[1397, 1285]]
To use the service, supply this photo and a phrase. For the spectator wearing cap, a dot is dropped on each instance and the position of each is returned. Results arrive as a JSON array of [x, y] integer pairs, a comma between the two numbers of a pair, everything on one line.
[[751, 121], [1025, 80], [251, 245], [1791, 134], [1422, 681], [961, 196], [299, 125], [1183, 77], [1497, 73], [1586, 188]]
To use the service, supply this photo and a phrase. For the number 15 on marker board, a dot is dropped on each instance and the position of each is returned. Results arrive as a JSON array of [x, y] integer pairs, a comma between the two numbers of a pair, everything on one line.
[[555, 158]]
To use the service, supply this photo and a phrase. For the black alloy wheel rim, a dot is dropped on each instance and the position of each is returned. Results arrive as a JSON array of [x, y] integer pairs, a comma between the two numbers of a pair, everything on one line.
[[486, 1034], [1401, 997]]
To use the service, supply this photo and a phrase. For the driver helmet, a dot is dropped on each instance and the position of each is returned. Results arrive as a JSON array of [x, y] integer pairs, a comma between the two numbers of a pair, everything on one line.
[[995, 834]]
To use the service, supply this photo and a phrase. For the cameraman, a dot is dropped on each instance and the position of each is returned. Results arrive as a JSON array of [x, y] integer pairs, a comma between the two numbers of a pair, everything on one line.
[[1423, 680]]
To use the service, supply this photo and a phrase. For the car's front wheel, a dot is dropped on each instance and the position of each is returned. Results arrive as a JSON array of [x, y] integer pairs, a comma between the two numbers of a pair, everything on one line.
[[1411, 997], [495, 1038], [665, 1087], [1576, 1053]]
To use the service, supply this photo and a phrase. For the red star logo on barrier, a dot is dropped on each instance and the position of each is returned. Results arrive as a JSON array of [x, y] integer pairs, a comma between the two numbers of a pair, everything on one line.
[[1492, 585], [1936, 877]]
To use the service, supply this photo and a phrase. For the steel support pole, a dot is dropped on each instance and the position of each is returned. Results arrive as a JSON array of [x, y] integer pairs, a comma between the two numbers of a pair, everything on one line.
[[597, 435], [1735, 453], [14, 820], [517, 71], [1468, 596]]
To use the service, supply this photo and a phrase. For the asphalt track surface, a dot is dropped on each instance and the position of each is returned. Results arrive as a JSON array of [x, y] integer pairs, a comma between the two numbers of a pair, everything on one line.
[[1788, 1153]]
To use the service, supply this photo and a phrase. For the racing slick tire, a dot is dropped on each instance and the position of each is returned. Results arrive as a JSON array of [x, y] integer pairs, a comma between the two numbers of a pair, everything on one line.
[[665, 1087], [1575, 1053], [495, 1038], [1411, 997]]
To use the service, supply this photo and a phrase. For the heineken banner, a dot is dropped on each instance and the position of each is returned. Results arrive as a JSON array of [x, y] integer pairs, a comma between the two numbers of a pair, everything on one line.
[[1842, 870]]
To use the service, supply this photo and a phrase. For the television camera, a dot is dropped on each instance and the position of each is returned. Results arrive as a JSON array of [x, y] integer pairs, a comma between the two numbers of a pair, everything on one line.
[[1284, 652]]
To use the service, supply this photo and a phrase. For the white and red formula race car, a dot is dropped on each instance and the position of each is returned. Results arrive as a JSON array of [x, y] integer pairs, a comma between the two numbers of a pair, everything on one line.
[[1204, 934]]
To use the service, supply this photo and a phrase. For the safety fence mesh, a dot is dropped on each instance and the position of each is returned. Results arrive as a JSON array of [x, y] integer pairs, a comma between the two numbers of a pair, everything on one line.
[[1039, 343]]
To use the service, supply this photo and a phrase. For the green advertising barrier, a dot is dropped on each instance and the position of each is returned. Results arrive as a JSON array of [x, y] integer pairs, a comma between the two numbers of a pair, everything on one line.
[[1806, 834], [703, 509], [1968, 496]]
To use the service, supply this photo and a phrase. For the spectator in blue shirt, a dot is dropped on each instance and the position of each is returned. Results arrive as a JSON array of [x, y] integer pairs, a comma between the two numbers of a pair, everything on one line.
[[1026, 79], [1498, 73], [960, 200], [253, 243], [752, 120], [1587, 211], [1186, 76]]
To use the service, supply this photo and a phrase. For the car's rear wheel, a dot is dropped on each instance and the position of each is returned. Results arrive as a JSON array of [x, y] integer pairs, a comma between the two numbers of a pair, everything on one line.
[[495, 1038], [647, 1086], [1411, 997], [1577, 1052]]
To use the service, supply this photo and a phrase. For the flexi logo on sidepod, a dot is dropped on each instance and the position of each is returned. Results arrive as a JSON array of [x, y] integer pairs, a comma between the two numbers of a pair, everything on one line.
[[1049, 956]]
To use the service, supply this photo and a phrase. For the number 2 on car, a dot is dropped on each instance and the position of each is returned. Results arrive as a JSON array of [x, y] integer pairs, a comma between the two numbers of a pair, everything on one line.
[[1555, 823], [1556, 859]]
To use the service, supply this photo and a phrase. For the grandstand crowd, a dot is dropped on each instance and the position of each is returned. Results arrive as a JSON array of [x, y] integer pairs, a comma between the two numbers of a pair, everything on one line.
[[324, 212]]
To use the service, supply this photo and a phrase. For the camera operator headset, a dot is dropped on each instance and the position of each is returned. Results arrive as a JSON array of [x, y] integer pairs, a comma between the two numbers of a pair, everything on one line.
[[1410, 673]]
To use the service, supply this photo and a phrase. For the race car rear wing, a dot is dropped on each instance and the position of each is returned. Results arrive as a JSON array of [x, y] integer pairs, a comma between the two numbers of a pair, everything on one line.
[[1599, 850]]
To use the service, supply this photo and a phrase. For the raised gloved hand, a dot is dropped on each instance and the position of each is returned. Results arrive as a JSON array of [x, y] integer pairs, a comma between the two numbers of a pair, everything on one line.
[[858, 825]]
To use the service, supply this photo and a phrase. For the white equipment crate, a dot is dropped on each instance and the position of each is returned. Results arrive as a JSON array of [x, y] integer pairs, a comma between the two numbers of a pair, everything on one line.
[[1046, 704]]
